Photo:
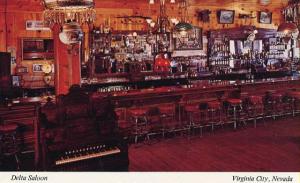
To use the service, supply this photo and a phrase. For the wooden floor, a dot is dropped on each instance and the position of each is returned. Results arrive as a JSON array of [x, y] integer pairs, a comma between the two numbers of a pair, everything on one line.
[[273, 147]]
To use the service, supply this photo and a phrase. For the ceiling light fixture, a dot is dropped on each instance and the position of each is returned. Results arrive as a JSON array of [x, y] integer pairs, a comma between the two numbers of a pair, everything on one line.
[[64, 11]]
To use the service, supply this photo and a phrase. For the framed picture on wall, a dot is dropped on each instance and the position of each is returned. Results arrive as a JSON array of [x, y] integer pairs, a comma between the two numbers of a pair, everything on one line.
[[265, 17], [21, 70], [15, 81], [225, 16], [192, 41], [37, 67]]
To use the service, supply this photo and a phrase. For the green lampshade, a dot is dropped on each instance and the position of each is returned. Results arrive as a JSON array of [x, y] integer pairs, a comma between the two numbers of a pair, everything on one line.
[[183, 26]]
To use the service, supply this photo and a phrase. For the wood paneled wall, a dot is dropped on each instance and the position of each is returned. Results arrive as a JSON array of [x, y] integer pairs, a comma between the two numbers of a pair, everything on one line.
[[14, 14]]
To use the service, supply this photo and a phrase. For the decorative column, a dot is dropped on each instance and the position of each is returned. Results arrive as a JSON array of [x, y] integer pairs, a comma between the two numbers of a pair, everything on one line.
[[67, 63]]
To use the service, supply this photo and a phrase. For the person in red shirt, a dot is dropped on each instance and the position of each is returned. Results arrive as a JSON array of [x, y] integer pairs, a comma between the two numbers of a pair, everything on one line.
[[162, 63]]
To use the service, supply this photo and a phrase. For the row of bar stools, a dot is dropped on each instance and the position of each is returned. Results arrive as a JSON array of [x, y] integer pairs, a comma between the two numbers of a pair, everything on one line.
[[9, 143], [140, 123]]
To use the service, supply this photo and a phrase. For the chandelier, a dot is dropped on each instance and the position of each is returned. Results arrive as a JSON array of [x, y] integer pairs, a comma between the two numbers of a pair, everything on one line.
[[64, 11], [162, 25], [160, 30]]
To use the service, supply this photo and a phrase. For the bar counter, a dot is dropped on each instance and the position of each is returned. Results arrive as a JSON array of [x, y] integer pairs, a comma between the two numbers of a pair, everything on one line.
[[203, 90]]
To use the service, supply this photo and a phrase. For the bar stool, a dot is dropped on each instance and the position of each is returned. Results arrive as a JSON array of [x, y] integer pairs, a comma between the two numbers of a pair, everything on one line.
[[123, 125], [167, 118], [287, 104], [195, 117], [154, 123], [255, 108], [214, 113], [277, 104], [295, 96], [236, 105], [139, 120], [9, 142]]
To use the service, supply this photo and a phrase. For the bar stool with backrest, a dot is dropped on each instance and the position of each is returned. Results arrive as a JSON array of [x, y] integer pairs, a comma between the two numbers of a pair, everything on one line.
[[10, 143], [139, 121]]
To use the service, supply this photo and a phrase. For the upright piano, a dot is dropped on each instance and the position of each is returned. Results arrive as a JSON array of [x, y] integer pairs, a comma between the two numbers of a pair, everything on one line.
[[80, 134]]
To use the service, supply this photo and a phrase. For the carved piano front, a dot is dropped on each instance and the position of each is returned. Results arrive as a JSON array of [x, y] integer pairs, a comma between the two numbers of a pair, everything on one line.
[[80, 134]]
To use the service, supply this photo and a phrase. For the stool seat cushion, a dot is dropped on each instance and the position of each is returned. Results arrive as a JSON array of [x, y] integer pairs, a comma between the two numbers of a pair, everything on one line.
[[191, 108], [214, 104], [234, 101], [123, 124], [166, 109], [255, 99], [138, 112]]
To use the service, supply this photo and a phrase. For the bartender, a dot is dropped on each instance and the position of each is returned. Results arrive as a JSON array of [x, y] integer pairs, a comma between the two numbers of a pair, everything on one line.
[[162, 63]]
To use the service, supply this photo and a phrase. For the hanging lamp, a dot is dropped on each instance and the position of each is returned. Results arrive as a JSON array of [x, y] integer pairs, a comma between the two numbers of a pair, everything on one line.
[[183, 27]]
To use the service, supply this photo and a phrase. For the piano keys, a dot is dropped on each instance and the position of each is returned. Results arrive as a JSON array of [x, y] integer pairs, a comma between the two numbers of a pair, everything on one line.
[[86, 153]]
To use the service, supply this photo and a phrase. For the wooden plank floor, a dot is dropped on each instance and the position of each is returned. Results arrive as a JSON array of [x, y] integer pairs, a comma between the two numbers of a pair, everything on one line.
[[273, 147]]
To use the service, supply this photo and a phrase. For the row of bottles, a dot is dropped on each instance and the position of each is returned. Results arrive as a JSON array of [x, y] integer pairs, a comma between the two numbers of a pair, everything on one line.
[[114, 89], [278, 47]]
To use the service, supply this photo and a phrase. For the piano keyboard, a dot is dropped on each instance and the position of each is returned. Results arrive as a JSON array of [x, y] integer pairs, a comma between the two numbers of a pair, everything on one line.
[[86, 153]]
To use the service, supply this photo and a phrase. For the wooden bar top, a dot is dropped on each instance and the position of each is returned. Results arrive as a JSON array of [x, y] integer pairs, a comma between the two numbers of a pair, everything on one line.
[[199, 87], [203, 85]]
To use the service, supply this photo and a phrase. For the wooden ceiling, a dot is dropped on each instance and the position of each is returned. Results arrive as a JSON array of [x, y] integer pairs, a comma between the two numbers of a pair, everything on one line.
[[36, 5]]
